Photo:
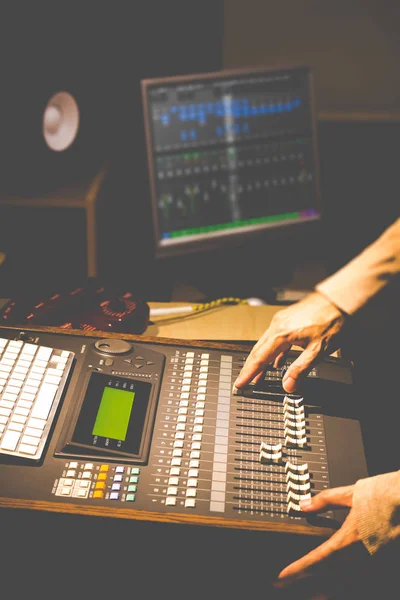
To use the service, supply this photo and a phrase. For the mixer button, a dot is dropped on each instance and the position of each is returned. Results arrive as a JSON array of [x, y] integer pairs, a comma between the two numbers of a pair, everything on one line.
[[296, 497], [301, 488], [178, 444], [172, 491], [298, 477], [271, 447], [173, 481], [293, 412], [170, 501], [194, 464], [293, 508], [191, 493], [191, 483], [177, 452], [193, 473], [184, 403], [195, 454], [175, 471], [291, 442], [176, 462], [297, 433], [190, 503], [269, 457], [294, 402], [299, 424], [296, 468], [179, 435]]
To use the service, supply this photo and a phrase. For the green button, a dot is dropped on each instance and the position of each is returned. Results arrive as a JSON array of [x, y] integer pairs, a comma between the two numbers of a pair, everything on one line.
[[135, 471], [133, 479], [132, 488], [130, 497]]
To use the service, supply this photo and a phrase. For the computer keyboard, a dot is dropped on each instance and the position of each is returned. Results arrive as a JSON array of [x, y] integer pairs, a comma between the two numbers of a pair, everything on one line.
[[32, 380]]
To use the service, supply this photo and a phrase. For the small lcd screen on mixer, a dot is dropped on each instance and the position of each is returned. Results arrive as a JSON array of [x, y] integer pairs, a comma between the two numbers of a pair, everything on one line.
[[113, 414], [230, 152]]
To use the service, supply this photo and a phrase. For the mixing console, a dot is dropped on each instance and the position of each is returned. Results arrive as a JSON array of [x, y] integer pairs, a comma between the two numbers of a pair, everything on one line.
[[155, 429]]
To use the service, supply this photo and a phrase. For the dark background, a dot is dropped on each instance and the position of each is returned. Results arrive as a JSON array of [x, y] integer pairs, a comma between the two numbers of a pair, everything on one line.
[[100, 54]]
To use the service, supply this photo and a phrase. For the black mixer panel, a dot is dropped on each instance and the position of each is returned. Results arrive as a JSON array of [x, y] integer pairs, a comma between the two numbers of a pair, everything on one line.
[[159, 427]]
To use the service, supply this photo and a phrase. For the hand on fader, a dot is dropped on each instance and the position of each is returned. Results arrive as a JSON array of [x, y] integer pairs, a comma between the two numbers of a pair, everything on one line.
[[313, 323]]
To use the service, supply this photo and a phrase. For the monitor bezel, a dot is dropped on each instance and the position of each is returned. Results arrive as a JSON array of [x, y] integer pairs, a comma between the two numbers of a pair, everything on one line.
[[235, 237]]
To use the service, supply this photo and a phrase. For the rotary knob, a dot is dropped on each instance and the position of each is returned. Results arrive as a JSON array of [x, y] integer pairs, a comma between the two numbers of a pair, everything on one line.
[[111, 346]]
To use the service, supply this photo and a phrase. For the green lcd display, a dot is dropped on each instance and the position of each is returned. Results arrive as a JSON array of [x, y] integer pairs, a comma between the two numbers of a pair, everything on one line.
[[114, 412]]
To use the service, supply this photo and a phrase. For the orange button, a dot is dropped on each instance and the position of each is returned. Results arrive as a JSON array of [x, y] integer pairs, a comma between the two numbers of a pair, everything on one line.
[[102, 477], [100, 485], [98, 494], [104, 468]]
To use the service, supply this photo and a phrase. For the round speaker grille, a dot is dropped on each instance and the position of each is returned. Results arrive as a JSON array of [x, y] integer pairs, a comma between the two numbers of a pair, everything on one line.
[[60, 121]]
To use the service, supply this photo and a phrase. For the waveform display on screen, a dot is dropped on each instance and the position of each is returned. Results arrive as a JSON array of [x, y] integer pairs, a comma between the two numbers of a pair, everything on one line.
[[222, 119], [231, 153], [222, 112], [219, 186]]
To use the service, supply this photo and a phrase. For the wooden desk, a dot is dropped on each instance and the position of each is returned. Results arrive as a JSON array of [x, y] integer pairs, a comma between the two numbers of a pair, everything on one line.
[[226, 323]]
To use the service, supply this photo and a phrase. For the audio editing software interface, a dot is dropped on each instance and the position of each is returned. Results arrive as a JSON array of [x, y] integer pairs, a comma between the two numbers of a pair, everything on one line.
[[230, 153]]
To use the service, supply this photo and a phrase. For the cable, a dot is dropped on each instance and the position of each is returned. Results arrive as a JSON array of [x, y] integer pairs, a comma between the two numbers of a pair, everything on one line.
[[163, 311]]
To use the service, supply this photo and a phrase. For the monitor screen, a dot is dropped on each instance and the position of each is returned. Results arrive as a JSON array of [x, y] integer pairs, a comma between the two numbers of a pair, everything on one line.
[[231, 154]]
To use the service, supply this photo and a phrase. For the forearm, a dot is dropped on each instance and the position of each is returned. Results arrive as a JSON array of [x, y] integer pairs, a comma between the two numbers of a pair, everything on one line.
[[363, 278], [376, 503]]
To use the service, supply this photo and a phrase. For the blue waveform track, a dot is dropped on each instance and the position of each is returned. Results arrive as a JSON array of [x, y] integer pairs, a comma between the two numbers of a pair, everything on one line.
[[240, 108]]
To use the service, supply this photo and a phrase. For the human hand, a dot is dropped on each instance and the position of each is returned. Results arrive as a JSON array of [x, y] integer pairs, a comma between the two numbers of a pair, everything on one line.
[[323, 570], [313, 323]]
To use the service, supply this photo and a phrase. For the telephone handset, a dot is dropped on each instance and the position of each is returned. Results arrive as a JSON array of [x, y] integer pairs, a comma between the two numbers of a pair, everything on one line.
[[90, 308]]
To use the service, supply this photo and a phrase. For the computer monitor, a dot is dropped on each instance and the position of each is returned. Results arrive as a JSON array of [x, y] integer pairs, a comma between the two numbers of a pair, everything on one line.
[[232, 155]]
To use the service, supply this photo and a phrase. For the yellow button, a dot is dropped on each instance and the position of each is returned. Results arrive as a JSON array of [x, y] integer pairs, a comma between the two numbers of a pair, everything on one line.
[[100, 485], [98, 494], [102, 477], [104, 468]]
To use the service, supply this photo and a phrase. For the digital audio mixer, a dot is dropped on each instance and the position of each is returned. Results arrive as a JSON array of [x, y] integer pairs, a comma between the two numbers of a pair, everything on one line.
[[153, 429]]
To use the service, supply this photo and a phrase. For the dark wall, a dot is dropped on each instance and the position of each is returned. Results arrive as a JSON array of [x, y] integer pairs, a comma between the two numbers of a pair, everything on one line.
[[359, 184], [353, 49], [98, 52]]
